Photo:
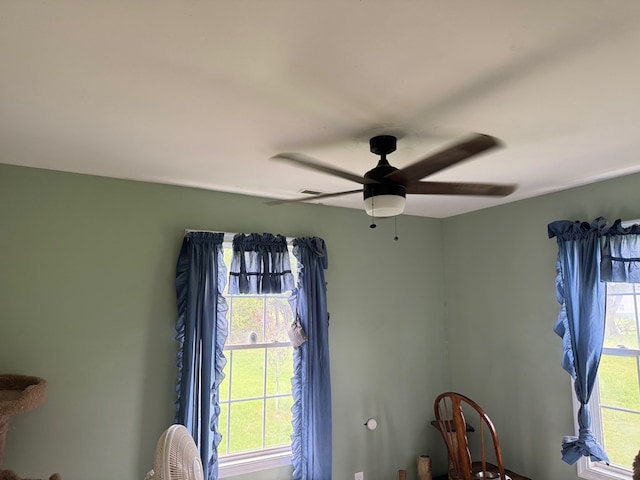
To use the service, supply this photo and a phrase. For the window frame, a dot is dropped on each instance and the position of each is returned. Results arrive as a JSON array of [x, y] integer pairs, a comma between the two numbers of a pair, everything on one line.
[[251, 461], [248, 462]]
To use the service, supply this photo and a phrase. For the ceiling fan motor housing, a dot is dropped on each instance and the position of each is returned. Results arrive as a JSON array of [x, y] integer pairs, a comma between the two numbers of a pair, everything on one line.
[[377, 189], [382, 145], [383, 198]]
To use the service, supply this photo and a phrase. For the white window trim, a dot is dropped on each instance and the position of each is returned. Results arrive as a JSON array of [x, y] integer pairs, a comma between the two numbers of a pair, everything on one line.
[[251, 462], [598, 471]]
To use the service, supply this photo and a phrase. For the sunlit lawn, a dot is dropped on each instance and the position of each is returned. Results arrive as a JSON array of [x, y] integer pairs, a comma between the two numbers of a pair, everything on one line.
[[619, 388], [246, 430]]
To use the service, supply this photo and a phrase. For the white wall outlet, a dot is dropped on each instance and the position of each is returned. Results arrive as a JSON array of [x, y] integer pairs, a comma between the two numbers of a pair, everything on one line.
[[358, 476]]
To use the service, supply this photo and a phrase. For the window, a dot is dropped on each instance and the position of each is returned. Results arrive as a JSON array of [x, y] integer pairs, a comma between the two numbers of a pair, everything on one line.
[[615, 401], [255, 396]]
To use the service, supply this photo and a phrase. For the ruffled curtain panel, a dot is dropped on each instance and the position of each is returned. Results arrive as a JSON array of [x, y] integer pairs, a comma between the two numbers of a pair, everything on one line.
[[201, 332], [311, 384]]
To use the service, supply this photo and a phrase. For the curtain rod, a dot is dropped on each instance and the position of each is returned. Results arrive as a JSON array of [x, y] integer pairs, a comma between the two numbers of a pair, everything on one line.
[[228, 236], [628, 223]]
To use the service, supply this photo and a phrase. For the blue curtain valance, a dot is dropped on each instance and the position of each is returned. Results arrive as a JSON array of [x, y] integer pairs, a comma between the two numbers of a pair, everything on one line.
[[621, 254], [260, 264], [619, 246]]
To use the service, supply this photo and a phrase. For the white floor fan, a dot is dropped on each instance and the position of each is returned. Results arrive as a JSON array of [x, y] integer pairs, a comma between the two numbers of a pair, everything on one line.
[[176, 457]]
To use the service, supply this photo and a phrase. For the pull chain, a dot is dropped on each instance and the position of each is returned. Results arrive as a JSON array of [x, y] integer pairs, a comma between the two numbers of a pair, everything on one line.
[[373, 215], [373, 222]]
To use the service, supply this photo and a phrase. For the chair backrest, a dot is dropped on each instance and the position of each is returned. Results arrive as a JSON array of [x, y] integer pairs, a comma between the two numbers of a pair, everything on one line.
[[452, 411]]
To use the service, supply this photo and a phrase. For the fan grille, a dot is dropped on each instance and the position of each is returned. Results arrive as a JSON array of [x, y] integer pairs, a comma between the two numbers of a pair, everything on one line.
[[177, 456]]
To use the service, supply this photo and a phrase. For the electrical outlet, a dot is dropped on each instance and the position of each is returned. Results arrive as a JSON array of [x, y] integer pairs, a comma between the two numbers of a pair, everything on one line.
[[359, 476]]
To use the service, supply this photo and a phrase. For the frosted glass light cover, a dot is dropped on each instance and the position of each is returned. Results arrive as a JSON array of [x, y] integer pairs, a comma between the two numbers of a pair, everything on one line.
[[384, 205]]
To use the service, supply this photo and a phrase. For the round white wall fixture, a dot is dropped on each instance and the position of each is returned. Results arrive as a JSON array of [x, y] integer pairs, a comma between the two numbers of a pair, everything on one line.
[[371, 424]]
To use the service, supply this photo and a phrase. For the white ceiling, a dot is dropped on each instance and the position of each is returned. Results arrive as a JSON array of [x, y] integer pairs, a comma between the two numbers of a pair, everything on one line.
[[203, 93]]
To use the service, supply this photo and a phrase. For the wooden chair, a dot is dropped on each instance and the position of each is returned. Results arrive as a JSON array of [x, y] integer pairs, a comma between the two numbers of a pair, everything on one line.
[[450, 409]]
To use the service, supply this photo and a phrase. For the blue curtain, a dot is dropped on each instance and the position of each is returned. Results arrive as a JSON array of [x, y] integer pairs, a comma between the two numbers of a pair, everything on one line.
[[621, 254], [580, 323], [589, 255], [260, 264], [311, 384], [201, 331]]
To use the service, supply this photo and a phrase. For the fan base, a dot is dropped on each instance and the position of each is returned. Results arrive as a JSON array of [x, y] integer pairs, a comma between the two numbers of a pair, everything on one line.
[[383, 144]]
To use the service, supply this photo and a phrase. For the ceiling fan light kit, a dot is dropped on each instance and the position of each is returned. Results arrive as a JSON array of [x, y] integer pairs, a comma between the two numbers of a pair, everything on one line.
[[383, 198], [385, 187], [381, 206]]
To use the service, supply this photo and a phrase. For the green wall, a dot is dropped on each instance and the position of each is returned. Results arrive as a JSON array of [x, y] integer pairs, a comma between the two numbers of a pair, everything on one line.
[[87, 301], [500, 310]]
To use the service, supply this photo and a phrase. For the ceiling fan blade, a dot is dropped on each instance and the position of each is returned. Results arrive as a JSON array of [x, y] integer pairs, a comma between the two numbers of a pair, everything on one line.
[[449, 188], [308, 162], [309, 198], [443, 159]]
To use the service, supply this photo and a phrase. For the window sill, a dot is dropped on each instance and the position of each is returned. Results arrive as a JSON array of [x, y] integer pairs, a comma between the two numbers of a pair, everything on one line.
[[240, 465], [597, 471]]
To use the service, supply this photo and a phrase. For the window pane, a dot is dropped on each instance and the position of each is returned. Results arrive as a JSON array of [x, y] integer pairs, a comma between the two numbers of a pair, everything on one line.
[[246, 426], [279, 370], [224, 385], [618, 380], [615, 287], [621, 328], [246, 324], [248, 373], [621, 436], [222, 428], [279, 428], [279, 317], [252, 373]]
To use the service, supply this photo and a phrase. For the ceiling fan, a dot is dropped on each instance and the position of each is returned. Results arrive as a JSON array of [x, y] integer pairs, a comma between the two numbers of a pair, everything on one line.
[[385, 186]]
